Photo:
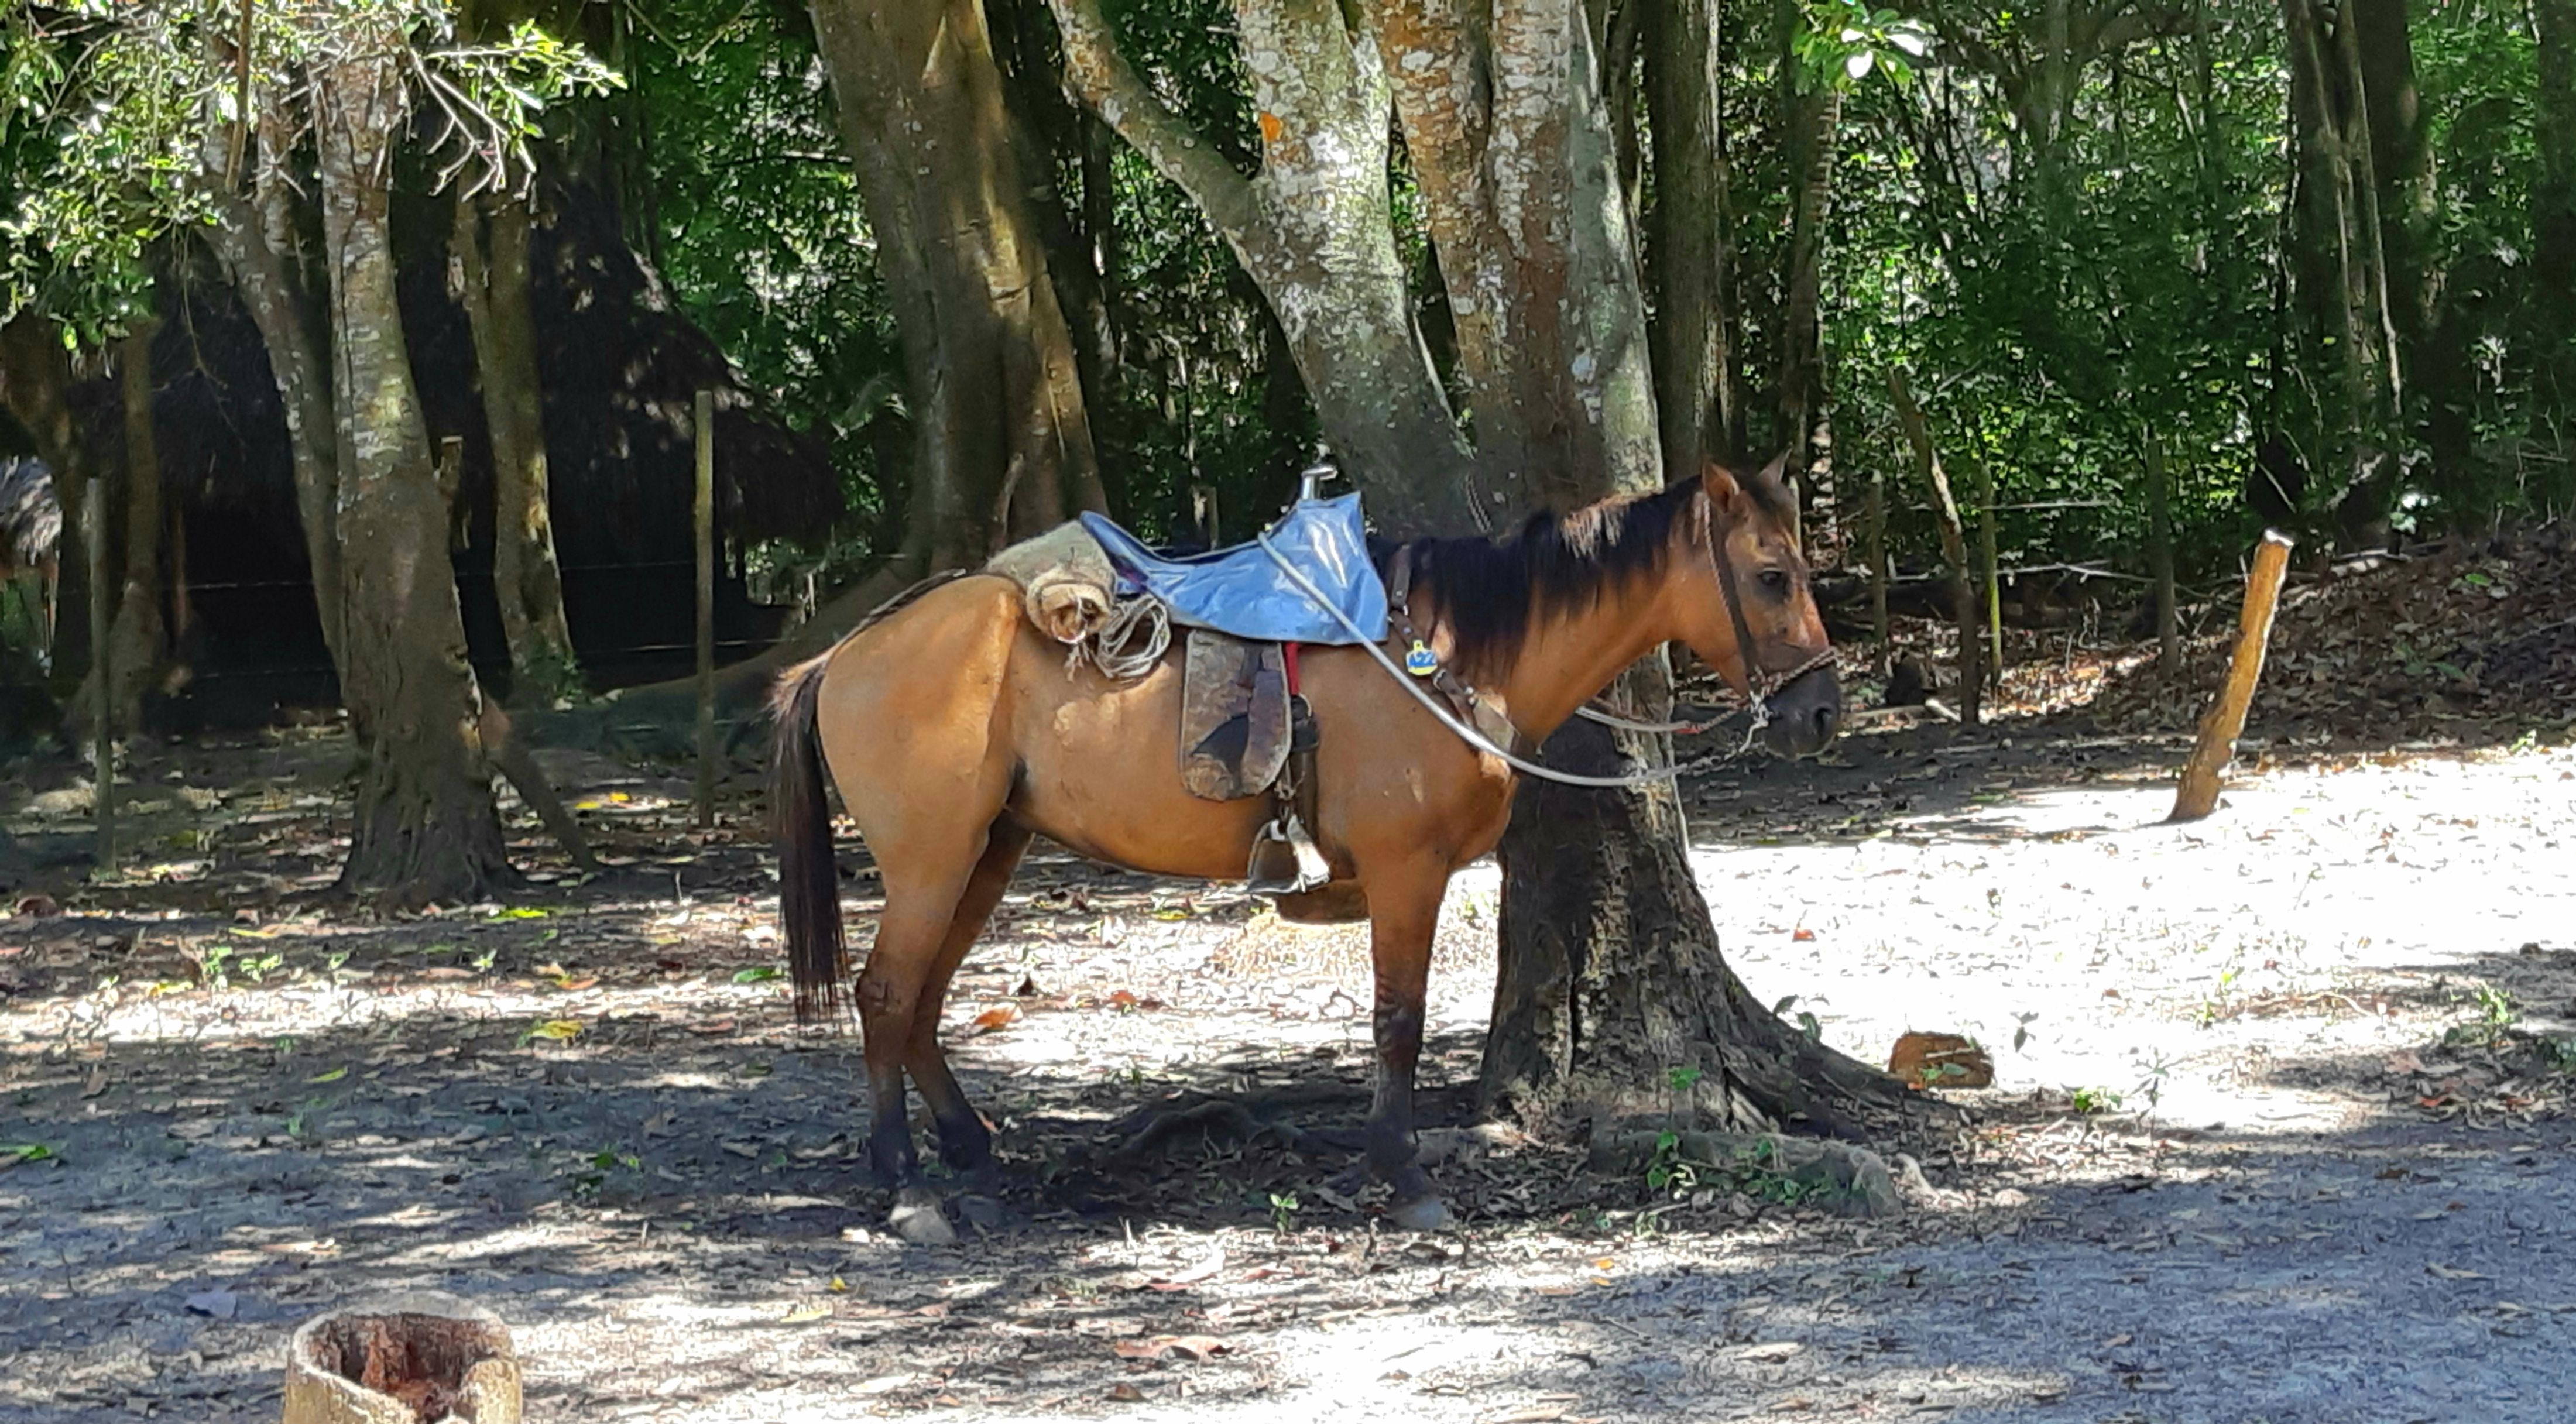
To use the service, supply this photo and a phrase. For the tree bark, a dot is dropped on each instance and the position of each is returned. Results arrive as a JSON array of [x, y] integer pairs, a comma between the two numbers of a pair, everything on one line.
[[1690, 240], [990, 364], [491, 250], [255, 238], [1502, 115], [425, 827], [1314, 231]]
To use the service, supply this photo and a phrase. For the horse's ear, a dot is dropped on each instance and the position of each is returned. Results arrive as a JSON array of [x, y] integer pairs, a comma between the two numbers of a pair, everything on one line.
[[1777, 472], [1724, 493]]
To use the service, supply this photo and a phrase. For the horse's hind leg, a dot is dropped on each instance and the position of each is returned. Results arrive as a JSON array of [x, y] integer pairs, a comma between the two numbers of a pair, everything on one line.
[[964, 1143], [1404, 909], [920, 905]]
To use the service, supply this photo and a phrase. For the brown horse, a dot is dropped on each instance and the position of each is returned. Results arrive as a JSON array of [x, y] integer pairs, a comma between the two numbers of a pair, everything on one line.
[[957, 731]]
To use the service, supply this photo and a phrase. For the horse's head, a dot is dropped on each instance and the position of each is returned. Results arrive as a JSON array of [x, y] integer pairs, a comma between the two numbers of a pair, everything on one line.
[[1747, 611]]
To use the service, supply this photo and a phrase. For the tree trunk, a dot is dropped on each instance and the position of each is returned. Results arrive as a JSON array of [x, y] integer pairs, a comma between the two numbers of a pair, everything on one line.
[[1690, 240], [2552, 299], [1502, 115], [1615, 1002], [491, 250], [1611, 973], [137, 634], [425, 827], [1314, 231], [995, 391], [2160, 557], [1954, 545], [255, 238]]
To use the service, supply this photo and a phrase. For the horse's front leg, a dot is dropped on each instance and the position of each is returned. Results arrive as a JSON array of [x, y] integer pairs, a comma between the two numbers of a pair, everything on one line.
[[1404, 909]]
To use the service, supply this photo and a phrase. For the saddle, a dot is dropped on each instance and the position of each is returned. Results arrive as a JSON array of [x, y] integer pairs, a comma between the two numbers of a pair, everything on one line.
[[1244, 729], [1242, 591]]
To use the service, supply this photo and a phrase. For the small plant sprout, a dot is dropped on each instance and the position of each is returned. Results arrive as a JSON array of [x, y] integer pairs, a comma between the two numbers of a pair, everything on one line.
[[2090, 1101], [1283, 1212]]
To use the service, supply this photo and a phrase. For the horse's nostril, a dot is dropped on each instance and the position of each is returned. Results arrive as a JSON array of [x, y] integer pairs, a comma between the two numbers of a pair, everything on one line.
[[1827, 718]]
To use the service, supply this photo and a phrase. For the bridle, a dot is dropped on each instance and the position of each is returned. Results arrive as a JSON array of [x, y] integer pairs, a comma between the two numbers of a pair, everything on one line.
[[1759, 686]]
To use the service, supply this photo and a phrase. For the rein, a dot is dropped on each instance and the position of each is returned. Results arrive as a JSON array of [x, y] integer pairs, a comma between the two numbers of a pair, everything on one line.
[[1759, 686]]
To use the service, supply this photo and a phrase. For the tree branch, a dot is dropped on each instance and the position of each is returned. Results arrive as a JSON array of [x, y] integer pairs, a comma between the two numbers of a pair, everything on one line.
[[1103, 79]]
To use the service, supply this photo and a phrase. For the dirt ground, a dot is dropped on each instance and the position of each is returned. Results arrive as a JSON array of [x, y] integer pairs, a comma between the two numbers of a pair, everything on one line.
[[2277, 1130]]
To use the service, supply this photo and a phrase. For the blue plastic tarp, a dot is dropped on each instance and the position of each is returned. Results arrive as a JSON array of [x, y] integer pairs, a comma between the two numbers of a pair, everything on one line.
[[1240, 591]]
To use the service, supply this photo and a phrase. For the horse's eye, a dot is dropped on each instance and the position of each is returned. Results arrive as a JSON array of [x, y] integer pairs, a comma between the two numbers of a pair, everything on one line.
[[1775, 581]]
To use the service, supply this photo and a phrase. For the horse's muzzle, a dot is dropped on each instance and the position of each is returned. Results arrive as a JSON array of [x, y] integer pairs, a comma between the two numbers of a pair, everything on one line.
[[1806, 715]]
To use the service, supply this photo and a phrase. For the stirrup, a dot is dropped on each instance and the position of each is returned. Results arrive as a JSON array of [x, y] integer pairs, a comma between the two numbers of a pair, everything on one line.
[[1285, 859]]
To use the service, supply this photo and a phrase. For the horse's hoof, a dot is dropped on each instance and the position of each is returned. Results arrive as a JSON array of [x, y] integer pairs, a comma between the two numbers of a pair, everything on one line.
[[982, 1212], [917, 1218], [1421, 1214]]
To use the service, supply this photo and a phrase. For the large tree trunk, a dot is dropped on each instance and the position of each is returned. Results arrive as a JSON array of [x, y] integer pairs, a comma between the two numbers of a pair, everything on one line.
[[1314, 232], [1615, 1001], [1690, 240], [2552, 298], [1611, 973], [425, 826], [1002, 437], [491, 249], [1502, 114]]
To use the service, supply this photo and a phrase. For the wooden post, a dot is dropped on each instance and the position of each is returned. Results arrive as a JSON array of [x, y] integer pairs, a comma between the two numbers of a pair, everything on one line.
[[1954, 546], [2160, 558], [102, 672], [2198, 794], [1987, 577], [1874, 548], [705, 516]]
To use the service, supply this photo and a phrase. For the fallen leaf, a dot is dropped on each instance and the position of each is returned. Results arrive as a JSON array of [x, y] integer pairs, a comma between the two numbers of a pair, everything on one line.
[[806, 1312], [1126, 1393], [96, 1083], [556, 1030], [2452, 1273], [333, 1076], [2117, 1341], [992, 1019], [37, 907], [1196, 1347], [1802, 936], [745, 1150]]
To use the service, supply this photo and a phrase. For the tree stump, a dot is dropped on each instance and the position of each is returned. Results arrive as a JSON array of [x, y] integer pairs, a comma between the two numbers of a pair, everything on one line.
[[419, 1358]]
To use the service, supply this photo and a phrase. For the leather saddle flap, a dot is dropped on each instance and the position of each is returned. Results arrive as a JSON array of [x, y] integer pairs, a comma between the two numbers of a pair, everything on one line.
[[1234, 716]]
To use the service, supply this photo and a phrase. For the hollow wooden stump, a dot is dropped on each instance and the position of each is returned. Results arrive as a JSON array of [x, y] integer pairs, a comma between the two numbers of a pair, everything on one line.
[[421, 1358], [2197, 796]]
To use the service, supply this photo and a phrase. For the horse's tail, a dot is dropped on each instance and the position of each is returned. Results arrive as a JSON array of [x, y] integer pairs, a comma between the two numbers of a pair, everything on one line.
[[809, 882]]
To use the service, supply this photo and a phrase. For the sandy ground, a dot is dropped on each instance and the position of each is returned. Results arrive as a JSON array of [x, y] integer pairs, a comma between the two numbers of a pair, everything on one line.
[[2323, 1174]]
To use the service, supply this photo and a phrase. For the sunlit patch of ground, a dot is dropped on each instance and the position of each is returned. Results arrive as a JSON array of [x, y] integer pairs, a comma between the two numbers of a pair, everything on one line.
[[2299, 1029]]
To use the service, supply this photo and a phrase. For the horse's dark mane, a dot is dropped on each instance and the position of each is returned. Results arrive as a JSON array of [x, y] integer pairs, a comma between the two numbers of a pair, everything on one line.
[[1490, 594]]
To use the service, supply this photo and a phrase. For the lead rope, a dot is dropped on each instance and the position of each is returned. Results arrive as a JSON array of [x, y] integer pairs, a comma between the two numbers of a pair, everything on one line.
[[1478, 740]]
